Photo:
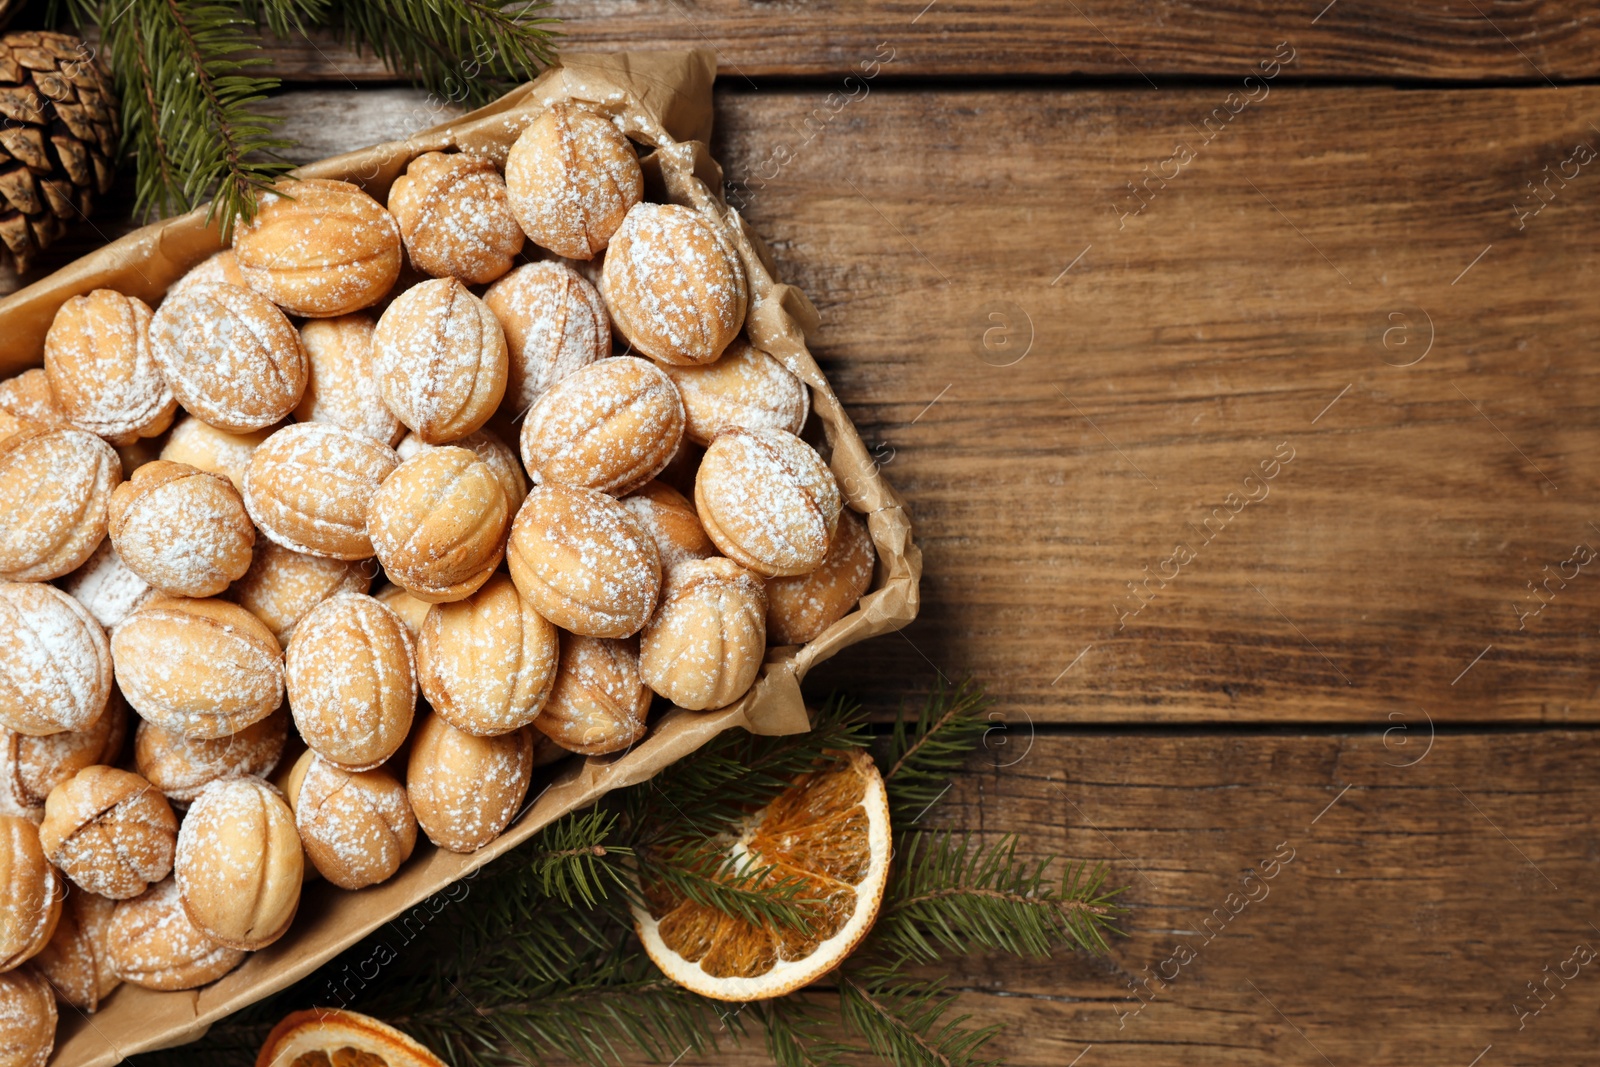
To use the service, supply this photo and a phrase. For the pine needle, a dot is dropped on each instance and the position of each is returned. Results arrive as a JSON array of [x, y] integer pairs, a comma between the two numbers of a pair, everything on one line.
[[926, 752], [904, 1022]]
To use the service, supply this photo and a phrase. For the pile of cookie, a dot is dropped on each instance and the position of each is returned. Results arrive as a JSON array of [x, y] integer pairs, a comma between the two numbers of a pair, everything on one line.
[[278, 514]]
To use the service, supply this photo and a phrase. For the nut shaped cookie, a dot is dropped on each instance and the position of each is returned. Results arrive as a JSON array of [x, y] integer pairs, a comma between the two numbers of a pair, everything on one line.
[[102, 373], [441, 360], [239, 863], [746, 389], [152, 942], [572, 176], [282, 585], [439, 524], [183, 530], [55, 488], [675, 284], [496, 453], [55, 662], [352, 681], [182, 766], [229, 356], [611, 426], [704, 645], [203, 668], [486, 663], [768, 501], [109, 831], [455, 217], [29, 396], [30, 767], [670, 520], [465, 789], [207, 448], [357, 826], [220, 266], [599, 703], [76, 960], [799, 609], [309, 486], [31, 893], [107, 587], [319, 248], [583, 561], [27, 1018], [342, 389], [555, 323]]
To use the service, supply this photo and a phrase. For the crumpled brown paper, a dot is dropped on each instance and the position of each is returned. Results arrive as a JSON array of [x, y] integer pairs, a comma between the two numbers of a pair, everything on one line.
[[662, 99]]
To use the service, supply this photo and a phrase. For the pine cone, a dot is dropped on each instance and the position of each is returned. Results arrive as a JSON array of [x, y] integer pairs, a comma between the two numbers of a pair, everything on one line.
[[58, 138]]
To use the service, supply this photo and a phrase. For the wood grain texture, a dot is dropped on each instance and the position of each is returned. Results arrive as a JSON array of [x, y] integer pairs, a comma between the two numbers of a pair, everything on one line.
[[1065, 391], [1418, 904], [1134, 39]]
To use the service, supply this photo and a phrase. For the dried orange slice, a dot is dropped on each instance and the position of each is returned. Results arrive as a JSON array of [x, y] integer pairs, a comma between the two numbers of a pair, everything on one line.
[[829, 829], [333, 1037]]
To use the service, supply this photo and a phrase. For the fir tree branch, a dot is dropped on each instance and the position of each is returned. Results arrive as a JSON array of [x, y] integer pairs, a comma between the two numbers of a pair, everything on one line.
[[926, 752], [904, 1022], [746, 890], [573, 862], [949, 895], [795, 1036]]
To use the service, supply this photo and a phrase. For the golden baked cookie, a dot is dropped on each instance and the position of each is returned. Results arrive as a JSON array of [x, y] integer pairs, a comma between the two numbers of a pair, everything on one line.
[[239, 863], [203, 668], [15, 426], [183, 530], [611, 426], [745, 389], [441, 360], [357, 826], [675, 284], [55, 487], [598, 703], [309, 487], [342, 389], [704, 645], [217, 267], [30, 893], [555, 323], [583, 561], [670, 520], [102, 373], [109, 831], [182, 766], [352, 681], [799, 609], [76, 961], [107, 587], [411, 611], [455, 217], [229, 356], [768, 501], [438, 524], [207, 448], [486, 663], [282, 585], [152, 942], [496, 453], [572, 176], [55, 663], [319, 248], [465, 789], [27, 1018], [28, 396], [30, 767]]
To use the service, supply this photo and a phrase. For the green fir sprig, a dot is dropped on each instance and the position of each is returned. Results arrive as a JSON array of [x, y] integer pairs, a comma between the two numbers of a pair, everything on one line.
[[543, 964], [190, 77]]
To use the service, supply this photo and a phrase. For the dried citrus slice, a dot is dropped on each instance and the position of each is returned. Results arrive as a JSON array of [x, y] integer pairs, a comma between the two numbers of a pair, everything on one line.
[[332, 1037], [829, 829]]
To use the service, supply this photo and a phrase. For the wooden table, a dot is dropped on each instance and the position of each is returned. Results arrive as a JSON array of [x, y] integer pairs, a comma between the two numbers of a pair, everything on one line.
[[1237, 361]]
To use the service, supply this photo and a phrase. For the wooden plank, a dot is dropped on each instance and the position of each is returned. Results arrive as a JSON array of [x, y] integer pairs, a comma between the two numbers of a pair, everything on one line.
[[1407, 910], [1133, 39], [1265, 304]]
